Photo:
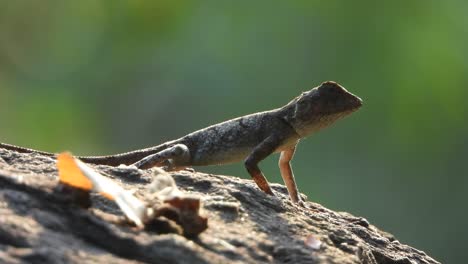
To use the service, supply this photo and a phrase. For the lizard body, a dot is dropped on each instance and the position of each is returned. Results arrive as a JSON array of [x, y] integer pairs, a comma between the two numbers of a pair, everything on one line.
[[249, 138]]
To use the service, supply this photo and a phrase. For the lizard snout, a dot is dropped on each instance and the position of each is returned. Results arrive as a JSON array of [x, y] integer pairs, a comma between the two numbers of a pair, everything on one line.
[[357, 102]]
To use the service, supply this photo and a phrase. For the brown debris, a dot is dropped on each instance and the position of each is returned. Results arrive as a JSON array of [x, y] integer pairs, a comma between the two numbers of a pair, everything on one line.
[[177, 206]]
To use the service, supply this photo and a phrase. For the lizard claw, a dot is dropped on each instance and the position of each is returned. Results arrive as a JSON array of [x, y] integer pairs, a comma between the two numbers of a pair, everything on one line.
[[301, 203]]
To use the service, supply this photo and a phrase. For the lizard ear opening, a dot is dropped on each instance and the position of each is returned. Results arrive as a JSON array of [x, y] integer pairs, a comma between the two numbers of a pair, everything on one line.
[[304, 105], [299, 109]]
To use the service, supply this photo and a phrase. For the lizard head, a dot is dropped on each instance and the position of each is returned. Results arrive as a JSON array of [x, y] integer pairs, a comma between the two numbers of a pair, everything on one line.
[[321, 107]]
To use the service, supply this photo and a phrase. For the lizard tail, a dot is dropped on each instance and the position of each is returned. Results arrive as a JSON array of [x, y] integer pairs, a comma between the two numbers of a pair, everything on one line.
[[126, 158], [25, 150]]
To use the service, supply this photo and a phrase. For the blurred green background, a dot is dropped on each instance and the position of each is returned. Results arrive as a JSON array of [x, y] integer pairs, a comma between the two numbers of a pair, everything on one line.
[[99, 77]]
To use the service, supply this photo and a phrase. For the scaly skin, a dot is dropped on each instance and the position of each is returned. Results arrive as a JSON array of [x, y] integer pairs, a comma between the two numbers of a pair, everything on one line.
[[249, 138]]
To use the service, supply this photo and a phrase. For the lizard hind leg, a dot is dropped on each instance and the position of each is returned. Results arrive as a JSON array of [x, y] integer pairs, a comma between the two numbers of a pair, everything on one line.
[[174, 156]]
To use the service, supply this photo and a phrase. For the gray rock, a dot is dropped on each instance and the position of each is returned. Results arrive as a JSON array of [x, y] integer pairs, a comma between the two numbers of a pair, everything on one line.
[[39, 224]]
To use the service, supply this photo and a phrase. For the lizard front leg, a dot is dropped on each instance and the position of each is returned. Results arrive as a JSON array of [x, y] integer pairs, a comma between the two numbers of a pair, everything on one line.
[[259, 153], [175, 155], [288, 175]]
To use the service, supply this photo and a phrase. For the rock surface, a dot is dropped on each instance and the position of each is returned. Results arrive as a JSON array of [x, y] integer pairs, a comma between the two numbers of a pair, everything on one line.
[[39, 225]]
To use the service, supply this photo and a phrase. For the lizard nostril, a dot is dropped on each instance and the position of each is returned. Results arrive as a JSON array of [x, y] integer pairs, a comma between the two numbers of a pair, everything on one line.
[[358, 101]]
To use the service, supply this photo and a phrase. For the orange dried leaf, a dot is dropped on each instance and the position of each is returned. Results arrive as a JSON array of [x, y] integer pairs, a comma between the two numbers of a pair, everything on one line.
[[107, 196], [70, 174]]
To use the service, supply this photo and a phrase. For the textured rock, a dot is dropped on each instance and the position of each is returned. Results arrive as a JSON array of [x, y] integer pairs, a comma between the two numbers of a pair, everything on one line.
[[39, 224]]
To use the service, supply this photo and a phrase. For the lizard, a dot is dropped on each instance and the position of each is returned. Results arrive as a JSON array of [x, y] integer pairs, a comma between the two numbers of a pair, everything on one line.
[[249, 138]]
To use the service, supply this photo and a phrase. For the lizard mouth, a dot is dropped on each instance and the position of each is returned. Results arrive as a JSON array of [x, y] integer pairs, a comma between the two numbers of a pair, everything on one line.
[[358, 102], [352, 105], [355, 103]]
